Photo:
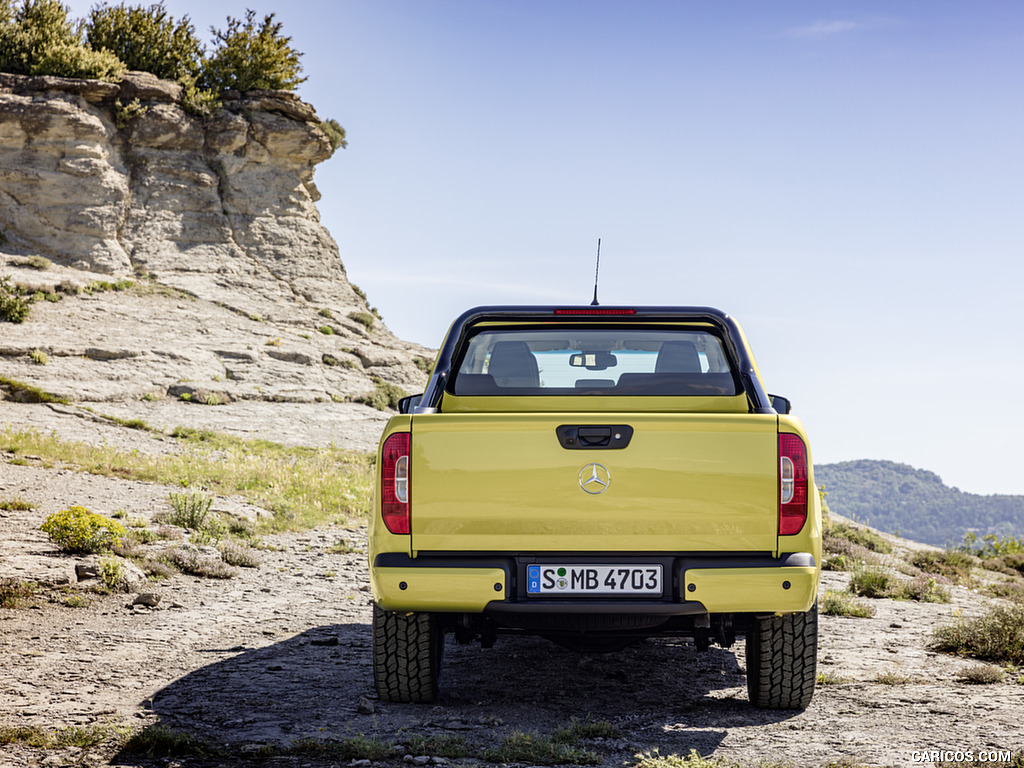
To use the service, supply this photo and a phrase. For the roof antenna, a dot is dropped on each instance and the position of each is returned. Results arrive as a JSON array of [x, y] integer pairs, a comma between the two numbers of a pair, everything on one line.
[[596, 272]]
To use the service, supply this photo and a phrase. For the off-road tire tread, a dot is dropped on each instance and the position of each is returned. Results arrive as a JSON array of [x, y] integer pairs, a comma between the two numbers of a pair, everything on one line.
[[782, 660], [406, 656]]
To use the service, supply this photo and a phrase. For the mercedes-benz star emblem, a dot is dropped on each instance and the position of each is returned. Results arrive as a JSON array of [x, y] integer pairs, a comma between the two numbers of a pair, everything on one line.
[[595, 478]]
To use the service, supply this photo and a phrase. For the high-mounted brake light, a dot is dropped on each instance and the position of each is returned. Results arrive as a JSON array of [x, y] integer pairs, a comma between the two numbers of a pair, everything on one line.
[[394, 482], [595, 311], [792, 484]]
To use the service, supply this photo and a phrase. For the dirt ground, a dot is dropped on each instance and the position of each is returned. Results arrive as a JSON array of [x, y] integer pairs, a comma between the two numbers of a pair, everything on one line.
[[282, 652]]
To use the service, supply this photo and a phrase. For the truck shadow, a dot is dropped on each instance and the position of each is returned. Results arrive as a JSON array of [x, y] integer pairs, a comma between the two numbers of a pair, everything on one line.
[[660, 694]]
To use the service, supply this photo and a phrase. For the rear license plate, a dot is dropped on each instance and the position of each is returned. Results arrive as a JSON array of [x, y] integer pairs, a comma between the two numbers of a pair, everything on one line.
[[593, 580]]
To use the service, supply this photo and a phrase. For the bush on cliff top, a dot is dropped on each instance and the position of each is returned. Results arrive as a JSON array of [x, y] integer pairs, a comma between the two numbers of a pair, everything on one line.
[[37, 38], [147, 40], [253, 58]]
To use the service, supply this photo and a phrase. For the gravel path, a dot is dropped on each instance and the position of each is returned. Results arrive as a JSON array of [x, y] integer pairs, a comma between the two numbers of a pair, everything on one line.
[[282, 652]]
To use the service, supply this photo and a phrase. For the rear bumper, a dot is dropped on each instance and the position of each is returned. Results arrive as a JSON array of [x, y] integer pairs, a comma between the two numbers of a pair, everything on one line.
[[693, 584]]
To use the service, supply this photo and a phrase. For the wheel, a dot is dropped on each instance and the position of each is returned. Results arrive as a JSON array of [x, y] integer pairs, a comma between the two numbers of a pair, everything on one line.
[[782, 660], [407, 650]]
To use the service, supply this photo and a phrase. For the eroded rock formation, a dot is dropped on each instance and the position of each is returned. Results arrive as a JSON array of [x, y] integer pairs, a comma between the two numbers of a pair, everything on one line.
[[116, 181]]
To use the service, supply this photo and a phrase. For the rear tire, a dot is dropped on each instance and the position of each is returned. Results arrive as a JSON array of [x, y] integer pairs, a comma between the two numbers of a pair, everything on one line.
[[407, 650], [782, 660]]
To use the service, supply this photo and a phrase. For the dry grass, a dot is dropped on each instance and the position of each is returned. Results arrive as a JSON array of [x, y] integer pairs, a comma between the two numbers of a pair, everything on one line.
[[303, 487], [189, 560], [981, 674]]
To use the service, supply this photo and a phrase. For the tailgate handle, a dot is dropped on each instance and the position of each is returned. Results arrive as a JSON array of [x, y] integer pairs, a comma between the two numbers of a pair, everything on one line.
[[594, 437], [590, 436]]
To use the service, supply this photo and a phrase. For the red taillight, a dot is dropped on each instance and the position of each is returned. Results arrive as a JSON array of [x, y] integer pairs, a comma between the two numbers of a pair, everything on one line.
[[792, 484], [595, 311], [394, 482]]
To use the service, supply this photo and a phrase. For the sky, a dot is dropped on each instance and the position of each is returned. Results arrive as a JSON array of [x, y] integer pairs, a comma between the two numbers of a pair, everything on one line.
[[846, 179]]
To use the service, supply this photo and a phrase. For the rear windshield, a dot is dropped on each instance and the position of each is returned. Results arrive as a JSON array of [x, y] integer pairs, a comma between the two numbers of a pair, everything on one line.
[[594, 361]]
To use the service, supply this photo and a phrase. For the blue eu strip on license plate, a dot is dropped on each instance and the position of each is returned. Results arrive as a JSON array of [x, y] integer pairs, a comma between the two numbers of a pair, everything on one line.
[[593, 579]]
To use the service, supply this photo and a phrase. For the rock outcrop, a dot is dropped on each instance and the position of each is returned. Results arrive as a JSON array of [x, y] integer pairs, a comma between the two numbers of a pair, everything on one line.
[[111, 182]]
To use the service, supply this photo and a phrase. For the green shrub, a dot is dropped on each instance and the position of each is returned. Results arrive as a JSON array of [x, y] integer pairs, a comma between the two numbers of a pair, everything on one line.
[[197, 100], [878, 582], [146, 39], [239, 555], [124, 114], [981, 674], [249, 58], [335, 134], [363, 318], [996, 636], [12, 592], [36, 262], [111, 571], [843, 604], [1011, 565], [37, 38], [38, 357], [77, 530], [17, 504], [101, 286], [923, 589], [190, 509], [384, 395], [831, 678], [75, 60], [952, 564], [15, 305], [871, 582], [326, 330], [30, 30], [991, 545], [865, 537], [835, 563], [142, 536]]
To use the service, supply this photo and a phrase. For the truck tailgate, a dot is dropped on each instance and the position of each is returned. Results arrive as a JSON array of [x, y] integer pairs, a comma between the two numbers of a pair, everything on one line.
[[493, 482]]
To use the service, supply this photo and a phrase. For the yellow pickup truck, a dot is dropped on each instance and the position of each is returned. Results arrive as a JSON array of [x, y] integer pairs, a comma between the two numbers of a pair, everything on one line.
[[595, 475]]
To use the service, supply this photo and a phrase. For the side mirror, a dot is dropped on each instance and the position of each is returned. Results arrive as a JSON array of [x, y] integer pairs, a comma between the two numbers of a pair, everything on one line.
[[780, 404], [593, 361], [406, 404]]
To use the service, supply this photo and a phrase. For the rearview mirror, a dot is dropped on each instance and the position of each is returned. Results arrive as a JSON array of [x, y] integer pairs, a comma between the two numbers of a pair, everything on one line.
[[780, 404], [593, 361], [406, 404]]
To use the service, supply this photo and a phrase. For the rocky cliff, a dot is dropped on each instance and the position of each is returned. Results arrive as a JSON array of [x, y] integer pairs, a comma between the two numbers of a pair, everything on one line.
[[237, 290]]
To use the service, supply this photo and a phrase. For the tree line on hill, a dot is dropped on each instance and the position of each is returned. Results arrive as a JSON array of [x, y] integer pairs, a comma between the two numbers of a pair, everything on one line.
[[37, 37], [915, 503]]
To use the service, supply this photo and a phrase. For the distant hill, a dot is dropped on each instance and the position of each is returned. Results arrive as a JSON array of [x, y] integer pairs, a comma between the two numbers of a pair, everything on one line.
[[915, 503]]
